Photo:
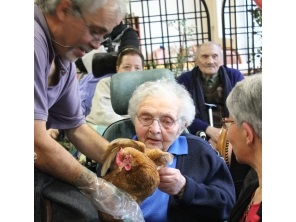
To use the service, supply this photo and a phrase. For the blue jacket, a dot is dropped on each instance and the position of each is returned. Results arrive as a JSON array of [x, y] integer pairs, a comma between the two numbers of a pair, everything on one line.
[[209, 193], [189, 80]]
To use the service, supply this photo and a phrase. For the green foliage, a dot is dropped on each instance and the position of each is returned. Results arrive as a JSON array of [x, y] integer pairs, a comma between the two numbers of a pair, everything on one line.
[[67, 145], [257, 13], [186, 33], [151, 65]]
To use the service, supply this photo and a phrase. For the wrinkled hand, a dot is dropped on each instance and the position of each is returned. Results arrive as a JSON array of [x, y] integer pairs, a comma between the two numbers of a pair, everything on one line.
[[213, 133], [107, 218], [54, 133], [171, 181]]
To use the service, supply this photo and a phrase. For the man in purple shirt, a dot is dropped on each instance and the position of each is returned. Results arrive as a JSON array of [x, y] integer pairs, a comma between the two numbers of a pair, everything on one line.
[[65, 30]]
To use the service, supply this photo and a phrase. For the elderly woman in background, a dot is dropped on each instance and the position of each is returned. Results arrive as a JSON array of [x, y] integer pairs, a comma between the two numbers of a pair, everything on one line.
[[197, 186], [245, 134]]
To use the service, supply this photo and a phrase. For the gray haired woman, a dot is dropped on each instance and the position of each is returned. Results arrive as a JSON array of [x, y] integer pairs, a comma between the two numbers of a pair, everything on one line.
[[197, 186], [245, 134]]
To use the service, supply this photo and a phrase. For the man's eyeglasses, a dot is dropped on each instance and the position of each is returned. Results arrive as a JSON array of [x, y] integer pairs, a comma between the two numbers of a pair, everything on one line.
[[226, 123], [164, 121], [95, 32]]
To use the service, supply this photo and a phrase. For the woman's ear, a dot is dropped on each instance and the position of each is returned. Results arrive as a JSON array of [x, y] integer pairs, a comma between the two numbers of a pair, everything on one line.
[[116, 68], [250, 133]]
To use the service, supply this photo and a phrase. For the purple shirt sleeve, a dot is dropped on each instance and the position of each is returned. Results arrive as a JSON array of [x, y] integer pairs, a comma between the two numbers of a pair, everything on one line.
[[58, 105]]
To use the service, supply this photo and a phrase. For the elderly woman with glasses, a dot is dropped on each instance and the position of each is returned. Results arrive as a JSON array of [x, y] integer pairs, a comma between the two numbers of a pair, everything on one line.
[[197, 186], [244, 127]]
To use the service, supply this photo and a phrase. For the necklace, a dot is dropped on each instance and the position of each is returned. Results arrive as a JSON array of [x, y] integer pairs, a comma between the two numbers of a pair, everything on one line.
[[248, 208]]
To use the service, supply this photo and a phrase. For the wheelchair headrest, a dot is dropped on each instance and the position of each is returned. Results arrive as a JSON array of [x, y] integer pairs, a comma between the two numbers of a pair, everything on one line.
[[123, 85], [79, 64], [104, 63]]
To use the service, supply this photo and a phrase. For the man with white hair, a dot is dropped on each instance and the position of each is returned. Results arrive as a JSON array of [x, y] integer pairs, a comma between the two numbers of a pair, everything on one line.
[[209, 84]]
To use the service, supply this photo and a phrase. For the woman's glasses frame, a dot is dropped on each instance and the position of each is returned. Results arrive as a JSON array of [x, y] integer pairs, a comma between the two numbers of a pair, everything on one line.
[[226, 123]]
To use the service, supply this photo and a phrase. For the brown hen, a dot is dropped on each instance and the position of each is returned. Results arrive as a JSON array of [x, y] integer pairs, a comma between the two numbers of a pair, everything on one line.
[[134, 168]]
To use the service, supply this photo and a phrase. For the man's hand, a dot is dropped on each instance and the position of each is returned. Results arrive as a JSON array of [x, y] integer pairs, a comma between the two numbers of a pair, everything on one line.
[[107, 218], [213, 133], [54, 133], [111, 200]]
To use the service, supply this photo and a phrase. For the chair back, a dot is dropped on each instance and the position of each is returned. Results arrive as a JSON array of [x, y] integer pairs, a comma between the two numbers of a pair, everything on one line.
[[123, 85], [104, 63], [120, 129]]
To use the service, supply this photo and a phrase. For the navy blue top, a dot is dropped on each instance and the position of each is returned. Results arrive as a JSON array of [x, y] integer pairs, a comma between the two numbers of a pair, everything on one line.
[[188, 79], [209, 193]]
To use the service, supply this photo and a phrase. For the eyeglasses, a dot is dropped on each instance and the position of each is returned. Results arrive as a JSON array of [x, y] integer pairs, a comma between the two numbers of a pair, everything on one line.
[[226, 123], [95, 32], [164, 121]]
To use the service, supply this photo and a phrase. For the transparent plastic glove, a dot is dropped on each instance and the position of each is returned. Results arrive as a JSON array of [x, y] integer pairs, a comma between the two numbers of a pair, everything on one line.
[[111, 200]]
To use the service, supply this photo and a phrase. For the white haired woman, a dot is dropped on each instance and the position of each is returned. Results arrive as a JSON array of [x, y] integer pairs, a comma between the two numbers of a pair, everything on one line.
[[197, 186]]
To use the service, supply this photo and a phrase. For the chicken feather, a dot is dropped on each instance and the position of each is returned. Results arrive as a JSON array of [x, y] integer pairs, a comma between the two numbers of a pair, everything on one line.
[[134, 168], [114, 147]]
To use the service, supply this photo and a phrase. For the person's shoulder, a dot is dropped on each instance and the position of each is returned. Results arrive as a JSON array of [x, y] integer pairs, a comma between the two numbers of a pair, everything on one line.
[[201, 145], [103, 87], [38, 29], [86, 79], [196, 139], [188, 73], [233, 73], [39, 36], [185, 75], [105, 80], [232, 70]]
